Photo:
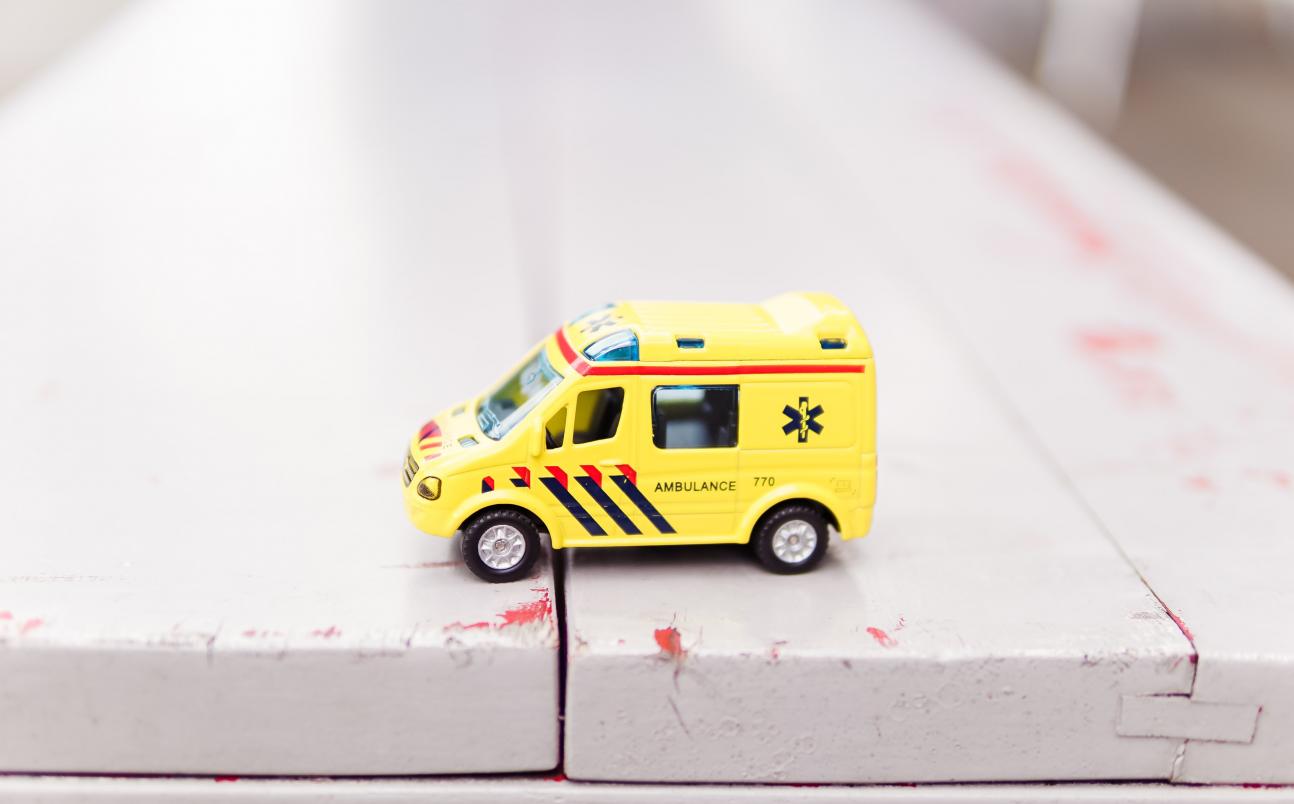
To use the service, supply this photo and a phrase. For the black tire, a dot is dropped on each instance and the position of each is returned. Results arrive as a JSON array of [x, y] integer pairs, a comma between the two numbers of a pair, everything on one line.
[[477, 528], [762, 538]]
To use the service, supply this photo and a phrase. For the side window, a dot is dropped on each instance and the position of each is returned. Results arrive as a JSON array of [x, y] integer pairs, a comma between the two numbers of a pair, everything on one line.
[[555, 429], [622, 345], [597, 414], [694, 416]]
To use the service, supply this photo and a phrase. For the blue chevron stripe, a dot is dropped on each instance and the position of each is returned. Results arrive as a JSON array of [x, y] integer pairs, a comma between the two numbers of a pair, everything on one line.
[[564, 497], [636, 497], [609, 505]]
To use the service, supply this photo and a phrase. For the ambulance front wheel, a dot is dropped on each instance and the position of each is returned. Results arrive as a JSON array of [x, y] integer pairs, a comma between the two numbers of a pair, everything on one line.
[[791, 539], [500, 545]]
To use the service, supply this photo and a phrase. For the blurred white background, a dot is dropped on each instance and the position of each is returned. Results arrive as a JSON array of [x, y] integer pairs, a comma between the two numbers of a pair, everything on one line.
[[1198, 92]]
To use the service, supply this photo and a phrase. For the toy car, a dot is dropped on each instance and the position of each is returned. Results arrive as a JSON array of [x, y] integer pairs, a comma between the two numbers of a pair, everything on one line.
[[645, 423]]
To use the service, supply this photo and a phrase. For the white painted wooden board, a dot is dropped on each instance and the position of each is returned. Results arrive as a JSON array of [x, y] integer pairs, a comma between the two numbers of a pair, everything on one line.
[[62, 790], [986, 630], [238, 249], [1151, 358]]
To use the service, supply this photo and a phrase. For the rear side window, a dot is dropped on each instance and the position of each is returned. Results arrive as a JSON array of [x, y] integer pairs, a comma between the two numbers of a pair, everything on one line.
[[694, 416], [597, 414]]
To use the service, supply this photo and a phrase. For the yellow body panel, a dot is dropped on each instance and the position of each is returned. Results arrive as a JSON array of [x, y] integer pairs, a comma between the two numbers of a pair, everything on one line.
[[725, 411]]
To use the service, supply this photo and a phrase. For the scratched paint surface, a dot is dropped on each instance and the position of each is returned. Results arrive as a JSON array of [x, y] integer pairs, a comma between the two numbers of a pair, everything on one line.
[[1150, 357], [221, 322], [986, 627]]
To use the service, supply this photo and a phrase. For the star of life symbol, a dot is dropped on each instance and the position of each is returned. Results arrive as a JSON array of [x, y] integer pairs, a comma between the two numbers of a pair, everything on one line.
[[604, 321], [803, 420]]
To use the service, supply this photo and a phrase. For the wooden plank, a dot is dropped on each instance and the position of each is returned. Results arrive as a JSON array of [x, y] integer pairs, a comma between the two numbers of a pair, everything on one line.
[[1149, 355], [987, 628], [58, 790], [233, 248]]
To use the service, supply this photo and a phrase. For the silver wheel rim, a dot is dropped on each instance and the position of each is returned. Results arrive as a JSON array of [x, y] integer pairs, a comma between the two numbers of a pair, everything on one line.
[[501, 547], [794, 541]]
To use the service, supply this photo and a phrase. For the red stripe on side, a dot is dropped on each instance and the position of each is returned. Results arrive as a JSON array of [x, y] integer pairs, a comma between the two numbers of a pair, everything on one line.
[[710, 370], [628, 471], [592, 471]]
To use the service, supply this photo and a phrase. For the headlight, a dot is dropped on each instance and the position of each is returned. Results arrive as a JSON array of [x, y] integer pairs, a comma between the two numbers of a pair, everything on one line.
[[429, 488]]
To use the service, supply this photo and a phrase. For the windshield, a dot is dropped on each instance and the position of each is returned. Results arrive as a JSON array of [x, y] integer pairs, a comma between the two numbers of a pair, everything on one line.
[[512, 400]]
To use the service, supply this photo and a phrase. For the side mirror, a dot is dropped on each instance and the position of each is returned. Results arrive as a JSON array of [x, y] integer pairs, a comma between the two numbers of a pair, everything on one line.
[[537, 439]]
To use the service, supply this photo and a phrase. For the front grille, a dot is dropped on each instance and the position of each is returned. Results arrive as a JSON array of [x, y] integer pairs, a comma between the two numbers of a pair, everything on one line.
[[410, 467]]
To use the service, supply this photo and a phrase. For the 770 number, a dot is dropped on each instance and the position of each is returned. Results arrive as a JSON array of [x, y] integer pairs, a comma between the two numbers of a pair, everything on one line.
[[765, 481]]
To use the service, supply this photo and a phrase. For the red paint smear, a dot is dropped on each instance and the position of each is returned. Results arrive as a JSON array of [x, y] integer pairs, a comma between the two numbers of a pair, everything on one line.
[[6, 615], [534, 611], [31, 625], [670, 642], [556, 777], [1180, 624], [1047, 195], [1117, 340], [226, 778], [329, 633], [883, 639], [1201, 483], [250, 632]]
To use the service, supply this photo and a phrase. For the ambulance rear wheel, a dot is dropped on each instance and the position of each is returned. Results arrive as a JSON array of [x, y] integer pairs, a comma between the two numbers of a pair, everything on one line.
[[500, 545], [791, 539]]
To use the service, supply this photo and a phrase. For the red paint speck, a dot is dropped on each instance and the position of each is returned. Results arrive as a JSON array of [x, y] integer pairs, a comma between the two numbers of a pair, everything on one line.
[[31, 625], [328, 633], [670, 642], [250, 632], [1201, 483], [775, 652], [1278, 478], [883, 639], [6, 615], [556, 777], [226, 778], [460, 626]]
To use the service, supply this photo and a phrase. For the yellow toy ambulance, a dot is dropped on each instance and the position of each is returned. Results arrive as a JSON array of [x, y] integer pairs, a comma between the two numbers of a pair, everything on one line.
[[643, 423]]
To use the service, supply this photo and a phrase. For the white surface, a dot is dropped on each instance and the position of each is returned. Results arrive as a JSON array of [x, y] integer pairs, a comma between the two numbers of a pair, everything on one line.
[[233, 286], [1151, 359], [233, 283], [985, 630], [1179, 716], [56, 790]]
